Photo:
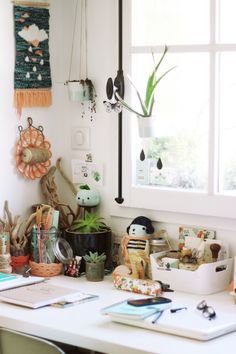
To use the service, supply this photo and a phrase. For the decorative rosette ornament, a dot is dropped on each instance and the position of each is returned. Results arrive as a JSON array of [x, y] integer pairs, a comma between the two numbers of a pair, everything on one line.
[[32, 152]]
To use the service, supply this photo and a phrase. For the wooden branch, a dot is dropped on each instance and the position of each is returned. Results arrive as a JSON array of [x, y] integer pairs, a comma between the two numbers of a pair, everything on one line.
[[66, 178], [8, 213]]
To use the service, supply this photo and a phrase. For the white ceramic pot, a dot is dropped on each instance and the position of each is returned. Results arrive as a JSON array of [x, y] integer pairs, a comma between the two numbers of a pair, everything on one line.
[[78, 92], [148, 127]]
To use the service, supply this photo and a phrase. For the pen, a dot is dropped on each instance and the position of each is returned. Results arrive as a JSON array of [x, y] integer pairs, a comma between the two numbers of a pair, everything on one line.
[[178, 309], [159, 313]]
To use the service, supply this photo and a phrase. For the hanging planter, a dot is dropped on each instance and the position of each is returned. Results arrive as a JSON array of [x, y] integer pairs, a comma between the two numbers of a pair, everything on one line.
[[147, 127], [82, 90]]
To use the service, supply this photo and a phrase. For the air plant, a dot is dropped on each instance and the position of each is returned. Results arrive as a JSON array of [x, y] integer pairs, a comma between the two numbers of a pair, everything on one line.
[[147, 102]]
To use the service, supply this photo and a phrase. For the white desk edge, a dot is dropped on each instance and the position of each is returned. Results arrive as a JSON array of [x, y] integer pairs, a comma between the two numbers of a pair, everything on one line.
[[84, 326]]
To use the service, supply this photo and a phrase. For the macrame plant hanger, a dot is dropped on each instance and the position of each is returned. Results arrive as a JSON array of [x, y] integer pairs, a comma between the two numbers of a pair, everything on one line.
[[82, 90]]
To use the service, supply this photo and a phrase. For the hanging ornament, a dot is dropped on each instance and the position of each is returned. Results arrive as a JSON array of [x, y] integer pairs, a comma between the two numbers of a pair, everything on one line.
[[32, 152], [142, 155], [159, 164]]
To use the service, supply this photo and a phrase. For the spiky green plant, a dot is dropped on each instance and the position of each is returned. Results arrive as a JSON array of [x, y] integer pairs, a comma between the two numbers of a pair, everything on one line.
[[92, 222], [147, 102], [95, 257]]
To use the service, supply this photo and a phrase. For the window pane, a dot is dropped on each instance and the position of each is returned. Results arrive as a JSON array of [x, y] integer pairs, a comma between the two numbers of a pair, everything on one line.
[[182, 110], [166, 21], [227, 121], [227, 24]]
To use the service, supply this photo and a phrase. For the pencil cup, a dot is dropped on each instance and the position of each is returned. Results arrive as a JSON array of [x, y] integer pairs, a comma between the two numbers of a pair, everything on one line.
[[45, 269], [43, 261]]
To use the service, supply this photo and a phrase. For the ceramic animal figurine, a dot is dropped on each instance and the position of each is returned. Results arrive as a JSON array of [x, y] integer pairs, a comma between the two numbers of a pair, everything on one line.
[[87, 197]]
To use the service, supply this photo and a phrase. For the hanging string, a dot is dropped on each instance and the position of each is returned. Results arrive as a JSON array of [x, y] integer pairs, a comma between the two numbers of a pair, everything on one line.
[[83, 37], [73, 39], [86, 38]]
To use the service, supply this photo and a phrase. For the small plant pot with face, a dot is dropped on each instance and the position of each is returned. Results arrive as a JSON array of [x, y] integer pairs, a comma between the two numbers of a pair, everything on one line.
[[94, 271]]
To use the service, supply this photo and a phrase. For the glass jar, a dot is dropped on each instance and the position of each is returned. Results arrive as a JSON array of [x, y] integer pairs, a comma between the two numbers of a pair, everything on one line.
[[158, 245]]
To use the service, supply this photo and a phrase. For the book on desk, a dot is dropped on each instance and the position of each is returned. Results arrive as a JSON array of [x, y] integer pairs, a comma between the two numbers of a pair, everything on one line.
[[43, 294], [124, 310]]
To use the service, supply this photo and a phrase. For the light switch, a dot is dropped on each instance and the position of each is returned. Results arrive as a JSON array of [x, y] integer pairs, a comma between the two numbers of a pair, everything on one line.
[[80, 138]]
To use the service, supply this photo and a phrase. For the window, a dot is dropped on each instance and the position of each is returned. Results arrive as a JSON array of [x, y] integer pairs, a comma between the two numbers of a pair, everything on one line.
[[191, 166]]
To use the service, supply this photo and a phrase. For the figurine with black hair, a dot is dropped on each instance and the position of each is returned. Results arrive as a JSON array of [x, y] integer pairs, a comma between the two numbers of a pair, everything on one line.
[[135, 246]]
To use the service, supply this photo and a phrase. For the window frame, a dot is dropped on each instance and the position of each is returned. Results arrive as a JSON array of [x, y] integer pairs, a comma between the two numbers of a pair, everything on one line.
[[209, 203]]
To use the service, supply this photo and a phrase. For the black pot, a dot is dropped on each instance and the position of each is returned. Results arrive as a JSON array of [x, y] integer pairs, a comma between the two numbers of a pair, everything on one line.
[[99, 242]]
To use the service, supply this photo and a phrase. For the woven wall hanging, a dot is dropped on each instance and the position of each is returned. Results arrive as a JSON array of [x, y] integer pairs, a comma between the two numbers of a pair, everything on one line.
[[32, 79]]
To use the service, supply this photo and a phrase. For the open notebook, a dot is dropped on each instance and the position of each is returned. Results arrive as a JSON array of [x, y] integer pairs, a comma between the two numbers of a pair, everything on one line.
[[188, 323], [42, 294]]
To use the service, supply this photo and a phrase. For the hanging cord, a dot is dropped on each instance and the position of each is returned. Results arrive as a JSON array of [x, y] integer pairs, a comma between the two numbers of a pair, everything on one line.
[[73, 39], [83, 37]]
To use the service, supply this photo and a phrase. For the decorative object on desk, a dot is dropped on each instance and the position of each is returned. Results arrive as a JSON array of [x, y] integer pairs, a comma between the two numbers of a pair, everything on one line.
[[135, 246], [32, 65], [87, 197], [146, 121], [90, 234], [215, 249], [51, 196], [19, 231], [72, 268], [140, 286], [194, 232], [5, 257], [208, 278], [94, 266], [32, 152], [82, 90]]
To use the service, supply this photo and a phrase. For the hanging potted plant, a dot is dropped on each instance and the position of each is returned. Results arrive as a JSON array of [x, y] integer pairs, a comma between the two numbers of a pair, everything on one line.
[[146, 121], [82, 90]]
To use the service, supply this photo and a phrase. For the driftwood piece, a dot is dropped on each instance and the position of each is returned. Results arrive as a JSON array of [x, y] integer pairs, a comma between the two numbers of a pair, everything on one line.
[[13, 225], [66, 178], [51, 196]]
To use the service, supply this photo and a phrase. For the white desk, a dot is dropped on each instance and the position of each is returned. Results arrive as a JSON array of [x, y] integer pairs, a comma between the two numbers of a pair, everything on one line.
[[82, 325]]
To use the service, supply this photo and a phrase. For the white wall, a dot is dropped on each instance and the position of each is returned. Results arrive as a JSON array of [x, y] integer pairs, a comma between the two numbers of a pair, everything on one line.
[[58, 119]]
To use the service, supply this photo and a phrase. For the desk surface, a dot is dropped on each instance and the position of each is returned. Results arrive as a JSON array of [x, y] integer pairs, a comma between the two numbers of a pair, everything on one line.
[[84, 326]]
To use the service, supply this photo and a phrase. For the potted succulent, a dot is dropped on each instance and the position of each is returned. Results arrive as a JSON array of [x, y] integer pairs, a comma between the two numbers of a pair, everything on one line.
[[94, 266], [145, 117], [90, 234]]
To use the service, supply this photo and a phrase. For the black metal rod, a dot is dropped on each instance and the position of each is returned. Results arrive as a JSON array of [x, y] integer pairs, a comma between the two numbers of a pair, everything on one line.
[[120, 199]]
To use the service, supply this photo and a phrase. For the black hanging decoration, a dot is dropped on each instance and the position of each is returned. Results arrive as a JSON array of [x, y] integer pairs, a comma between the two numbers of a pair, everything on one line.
[[111, 89], [142, 155], [159, 164]]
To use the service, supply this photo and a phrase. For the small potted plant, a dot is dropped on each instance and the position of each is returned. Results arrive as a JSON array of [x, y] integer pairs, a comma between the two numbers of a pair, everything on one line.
[[94, 266], [145, 117], [90, 234], [83, 91]]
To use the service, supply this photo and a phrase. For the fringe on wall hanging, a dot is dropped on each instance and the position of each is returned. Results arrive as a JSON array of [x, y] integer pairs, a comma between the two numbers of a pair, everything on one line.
[[32, 78]]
